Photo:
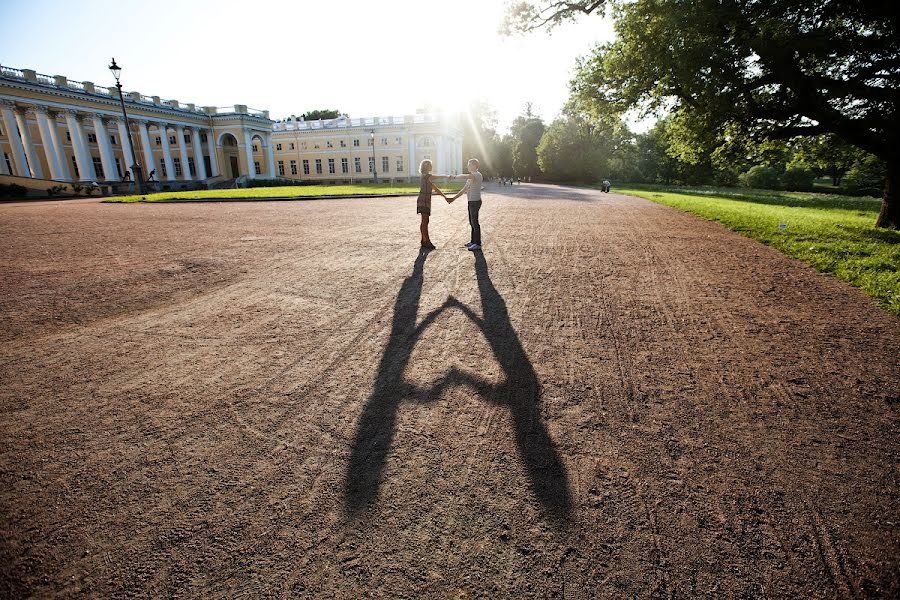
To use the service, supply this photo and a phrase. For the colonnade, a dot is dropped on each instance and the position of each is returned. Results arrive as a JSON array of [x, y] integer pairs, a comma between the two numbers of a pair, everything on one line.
[[26, 160]]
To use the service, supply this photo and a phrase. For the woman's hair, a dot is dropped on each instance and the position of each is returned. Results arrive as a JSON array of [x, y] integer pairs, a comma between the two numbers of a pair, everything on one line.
[[422, 165], [473, 161]]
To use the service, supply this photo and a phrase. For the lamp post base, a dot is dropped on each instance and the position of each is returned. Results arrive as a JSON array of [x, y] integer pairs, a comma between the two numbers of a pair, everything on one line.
[[138, 174]]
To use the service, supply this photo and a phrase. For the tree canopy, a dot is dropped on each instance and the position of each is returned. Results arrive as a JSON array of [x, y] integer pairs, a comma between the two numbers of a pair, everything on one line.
[[734, 73], [322, 113]]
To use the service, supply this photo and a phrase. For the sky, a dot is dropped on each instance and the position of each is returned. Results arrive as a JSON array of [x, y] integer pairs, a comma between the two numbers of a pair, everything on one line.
[[363, 57]]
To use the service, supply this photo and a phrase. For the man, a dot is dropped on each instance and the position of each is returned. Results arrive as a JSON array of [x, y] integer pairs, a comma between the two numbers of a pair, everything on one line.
[[472, 190]]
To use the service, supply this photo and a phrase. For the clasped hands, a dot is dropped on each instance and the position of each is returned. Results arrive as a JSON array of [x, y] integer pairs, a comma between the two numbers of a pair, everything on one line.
[[449, 200]]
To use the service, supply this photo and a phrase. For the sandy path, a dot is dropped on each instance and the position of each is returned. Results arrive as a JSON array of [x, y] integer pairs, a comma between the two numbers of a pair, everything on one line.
[[287, 399]]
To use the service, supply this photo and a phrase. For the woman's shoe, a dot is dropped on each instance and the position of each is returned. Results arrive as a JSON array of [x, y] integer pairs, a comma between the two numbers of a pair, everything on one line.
[[429, 245]]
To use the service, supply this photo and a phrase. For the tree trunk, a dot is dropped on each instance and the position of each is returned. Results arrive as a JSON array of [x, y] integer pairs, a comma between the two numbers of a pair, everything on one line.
[[889, 217]]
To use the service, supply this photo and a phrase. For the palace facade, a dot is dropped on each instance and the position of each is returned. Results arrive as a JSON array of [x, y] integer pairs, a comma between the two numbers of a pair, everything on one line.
[[54, 130]]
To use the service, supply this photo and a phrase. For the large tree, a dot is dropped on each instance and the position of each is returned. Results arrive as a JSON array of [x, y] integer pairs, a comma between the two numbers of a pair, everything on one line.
[[767, 69], [479, 134], [527, 130]]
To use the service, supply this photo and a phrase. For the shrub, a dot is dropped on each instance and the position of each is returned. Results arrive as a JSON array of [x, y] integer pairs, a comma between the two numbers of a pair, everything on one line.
[[12, 190], [798, 179], [55, 189], [726, 178], [77, 187], [866, 177], [760, 177]]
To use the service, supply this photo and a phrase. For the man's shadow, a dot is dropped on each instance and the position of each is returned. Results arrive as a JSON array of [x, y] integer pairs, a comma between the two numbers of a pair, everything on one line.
[[520, 391]]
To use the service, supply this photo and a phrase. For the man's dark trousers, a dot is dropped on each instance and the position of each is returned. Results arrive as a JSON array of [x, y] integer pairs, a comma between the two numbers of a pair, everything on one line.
[[474, 207]]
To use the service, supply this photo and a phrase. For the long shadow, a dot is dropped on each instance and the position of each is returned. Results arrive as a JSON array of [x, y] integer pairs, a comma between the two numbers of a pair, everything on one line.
[[520, 391]]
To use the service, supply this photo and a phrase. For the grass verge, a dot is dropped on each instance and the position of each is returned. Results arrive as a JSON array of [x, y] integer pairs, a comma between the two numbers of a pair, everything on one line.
[[365, 189], [833, 234]]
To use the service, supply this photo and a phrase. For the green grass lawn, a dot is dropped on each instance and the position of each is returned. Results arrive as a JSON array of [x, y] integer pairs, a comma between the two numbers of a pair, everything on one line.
[[362, 189], [833, 234]]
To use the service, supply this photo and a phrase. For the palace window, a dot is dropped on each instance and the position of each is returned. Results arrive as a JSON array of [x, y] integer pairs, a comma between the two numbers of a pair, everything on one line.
[[385, 164], [331, 166], [399, 140], [356, 143], [315, 146], [162, 169], [399, 164], [98, 167], [203, 138], [255, 149], [357, 165], [371, 164], [187, 138], [172, 140], [112, 140], [281, 168], [92, 138], [257, 168], [292, 146], [318, 166], [384, 141], [303, 145], [305, 167], [119, 168], [345, 166], [343, 144], [177, 162], [158, 141], [371, 142], [328, 144], [278, 147], [68, 136], [293, 167], [74, 164], [192, 169]]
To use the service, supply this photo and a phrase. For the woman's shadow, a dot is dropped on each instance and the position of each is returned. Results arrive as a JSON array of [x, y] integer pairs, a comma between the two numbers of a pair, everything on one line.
[[520, 391]]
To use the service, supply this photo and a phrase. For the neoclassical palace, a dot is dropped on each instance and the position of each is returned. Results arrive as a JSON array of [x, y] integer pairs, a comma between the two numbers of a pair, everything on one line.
[[54, 130]]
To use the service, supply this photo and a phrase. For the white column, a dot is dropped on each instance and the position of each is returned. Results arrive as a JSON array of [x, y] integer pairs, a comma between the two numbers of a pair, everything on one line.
[[127, 158], [270, 156], [50, 149], [107, 159], [439, 159], [34, 161], [182, 150], [149, 160], [79, 143], [413, 167], [248, 152], [213, 157], [198, 154], [65, 171], [15, 142], [167, 152], [460, 158]]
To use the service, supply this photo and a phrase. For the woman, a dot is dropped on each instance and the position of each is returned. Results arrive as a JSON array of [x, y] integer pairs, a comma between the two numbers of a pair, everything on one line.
[[423, 202]]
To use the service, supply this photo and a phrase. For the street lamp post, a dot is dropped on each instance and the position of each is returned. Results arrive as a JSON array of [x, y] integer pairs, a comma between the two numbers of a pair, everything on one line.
[[374, 163], [135, 168]]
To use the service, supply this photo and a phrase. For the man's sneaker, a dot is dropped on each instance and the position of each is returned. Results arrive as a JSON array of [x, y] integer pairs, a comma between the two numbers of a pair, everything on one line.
[[467, 244], [473, 247]]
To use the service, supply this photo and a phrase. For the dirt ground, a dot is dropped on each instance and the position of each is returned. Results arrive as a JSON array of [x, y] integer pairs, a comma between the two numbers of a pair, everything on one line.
[[286, 399]]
